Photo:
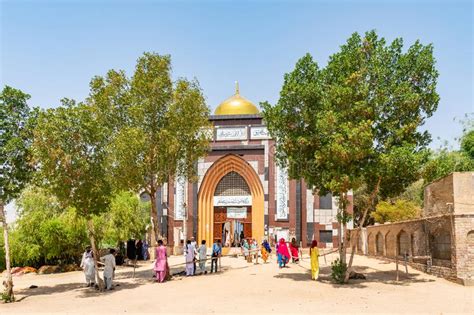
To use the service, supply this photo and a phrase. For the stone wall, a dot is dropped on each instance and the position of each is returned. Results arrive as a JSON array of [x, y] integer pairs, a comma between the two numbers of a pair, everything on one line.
[[441, 245]]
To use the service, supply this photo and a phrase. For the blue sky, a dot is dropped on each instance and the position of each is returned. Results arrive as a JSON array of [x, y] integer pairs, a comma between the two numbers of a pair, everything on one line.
[[51, 49]]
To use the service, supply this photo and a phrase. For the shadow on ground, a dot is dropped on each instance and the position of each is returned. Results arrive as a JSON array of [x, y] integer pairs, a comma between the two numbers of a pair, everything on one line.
[[386, 277], [142, 275]]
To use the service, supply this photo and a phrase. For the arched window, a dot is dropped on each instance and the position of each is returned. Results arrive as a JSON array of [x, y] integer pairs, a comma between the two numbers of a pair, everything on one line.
[[403, 243], [379, 243], [232, 184]]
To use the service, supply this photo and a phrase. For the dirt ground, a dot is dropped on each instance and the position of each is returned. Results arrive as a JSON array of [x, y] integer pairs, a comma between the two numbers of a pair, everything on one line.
[[242, 287]]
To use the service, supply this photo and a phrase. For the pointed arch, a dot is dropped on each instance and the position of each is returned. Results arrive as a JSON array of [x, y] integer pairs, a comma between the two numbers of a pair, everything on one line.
[[224, 165]]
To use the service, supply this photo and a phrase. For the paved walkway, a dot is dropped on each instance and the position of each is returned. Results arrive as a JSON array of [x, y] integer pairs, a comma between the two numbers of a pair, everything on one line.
[[246, 288]]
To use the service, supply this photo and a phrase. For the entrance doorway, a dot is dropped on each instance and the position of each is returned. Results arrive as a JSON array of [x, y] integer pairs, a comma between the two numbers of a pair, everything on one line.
[[229, 229], [230, 172]]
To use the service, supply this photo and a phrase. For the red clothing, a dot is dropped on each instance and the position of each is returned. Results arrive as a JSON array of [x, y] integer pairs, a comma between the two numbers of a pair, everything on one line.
[[294, 251]]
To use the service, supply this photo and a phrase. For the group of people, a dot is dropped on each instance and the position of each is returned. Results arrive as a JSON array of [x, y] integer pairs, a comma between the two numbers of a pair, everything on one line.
[[191, 252], [284, 254], [194, 254], [88, 265]]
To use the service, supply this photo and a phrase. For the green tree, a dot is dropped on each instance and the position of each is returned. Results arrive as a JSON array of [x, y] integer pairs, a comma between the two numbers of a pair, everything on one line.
[[44, 232], [16, 122], [156, 126], [400, 210], [127, 218], [445, 162], [356, 121], [467, 143], [70, 150]]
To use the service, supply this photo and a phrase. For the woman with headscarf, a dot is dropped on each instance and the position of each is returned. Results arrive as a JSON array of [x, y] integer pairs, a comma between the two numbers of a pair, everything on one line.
[[294, 248], [314, 254], [283, 253], [265, 250], [161, 263], [245, 249], [87, 264]]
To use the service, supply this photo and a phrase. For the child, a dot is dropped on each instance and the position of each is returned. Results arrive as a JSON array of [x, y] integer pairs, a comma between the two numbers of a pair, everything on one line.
[[109, 268]]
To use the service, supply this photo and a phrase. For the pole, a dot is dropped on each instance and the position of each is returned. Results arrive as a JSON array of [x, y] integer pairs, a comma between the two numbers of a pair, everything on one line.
[[396, 263], [185, 223]]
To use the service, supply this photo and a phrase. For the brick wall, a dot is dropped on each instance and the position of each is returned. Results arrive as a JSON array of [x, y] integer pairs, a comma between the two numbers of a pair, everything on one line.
[[447, 239]]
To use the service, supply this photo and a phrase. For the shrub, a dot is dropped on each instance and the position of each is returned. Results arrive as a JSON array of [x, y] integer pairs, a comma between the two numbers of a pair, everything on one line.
[[338, 271]]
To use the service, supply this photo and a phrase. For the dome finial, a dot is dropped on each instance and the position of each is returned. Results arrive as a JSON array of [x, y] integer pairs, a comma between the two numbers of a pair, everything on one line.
[[237, 91]]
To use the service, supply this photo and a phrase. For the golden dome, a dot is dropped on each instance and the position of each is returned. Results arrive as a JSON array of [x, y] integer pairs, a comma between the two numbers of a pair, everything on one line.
[[236, 105]]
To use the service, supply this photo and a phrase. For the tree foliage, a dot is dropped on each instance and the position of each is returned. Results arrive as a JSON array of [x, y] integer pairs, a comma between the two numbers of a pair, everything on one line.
[[16, 125], [70, 151], [400, 210], [127, 218], [156, 125], [46, 233], [356, 120]]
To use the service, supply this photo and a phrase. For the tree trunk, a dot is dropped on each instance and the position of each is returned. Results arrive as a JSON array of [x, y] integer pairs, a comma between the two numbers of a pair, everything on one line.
[[9, 282], [361, 222], [339, 233], [99, 280], [155, 231]]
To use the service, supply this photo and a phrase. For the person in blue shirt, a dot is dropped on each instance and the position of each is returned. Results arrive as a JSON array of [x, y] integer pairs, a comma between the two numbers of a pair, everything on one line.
[[216, 253]]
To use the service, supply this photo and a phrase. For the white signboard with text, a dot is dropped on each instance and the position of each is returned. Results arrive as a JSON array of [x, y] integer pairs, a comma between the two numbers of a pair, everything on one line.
[[236, 213], [225, 201], [259, 133], [236, 133], [282, 193]]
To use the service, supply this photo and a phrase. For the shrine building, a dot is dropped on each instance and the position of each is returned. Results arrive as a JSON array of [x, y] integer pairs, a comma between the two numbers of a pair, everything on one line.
[[242, 192]]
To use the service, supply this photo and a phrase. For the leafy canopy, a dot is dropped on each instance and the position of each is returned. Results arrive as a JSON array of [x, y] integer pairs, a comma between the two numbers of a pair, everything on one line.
[[70, 150], [400, 210], [156, 125], [356, 120], [16, 123]]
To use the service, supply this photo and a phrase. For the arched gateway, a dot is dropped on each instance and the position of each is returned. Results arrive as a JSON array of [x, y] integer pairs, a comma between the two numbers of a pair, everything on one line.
[[241, 206]]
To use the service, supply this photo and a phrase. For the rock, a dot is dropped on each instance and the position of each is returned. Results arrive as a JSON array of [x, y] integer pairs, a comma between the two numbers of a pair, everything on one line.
[[46, 269], [18, 271], [71, 267], [33, 286], [356, 275]]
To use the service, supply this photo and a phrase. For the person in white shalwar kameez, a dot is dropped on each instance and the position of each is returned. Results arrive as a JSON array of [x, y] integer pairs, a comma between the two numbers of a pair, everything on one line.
[[190, 254], [87, 264], [109, 268]]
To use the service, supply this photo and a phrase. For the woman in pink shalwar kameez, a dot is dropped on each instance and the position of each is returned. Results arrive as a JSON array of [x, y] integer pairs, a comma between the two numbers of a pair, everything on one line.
[[161, 262]]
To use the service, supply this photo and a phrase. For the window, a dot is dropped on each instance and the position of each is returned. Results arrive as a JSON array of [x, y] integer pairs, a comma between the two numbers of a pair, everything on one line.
[[232, 184], [325, 236], [325, 202]]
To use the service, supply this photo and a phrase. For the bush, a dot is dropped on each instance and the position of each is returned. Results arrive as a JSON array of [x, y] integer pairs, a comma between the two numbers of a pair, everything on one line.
[[47, 233], [338, 271]]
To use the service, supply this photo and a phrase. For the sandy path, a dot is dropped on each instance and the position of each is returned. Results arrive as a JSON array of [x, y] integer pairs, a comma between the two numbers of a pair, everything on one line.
[[246, 288]]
